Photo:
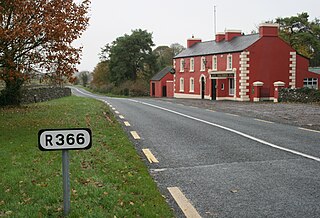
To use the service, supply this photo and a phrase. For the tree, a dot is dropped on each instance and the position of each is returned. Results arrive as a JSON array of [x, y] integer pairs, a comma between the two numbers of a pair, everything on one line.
[[84, 77], [176, 48], [101, 74], [303, 35], [164, 55], [131, 56], [37, 35]]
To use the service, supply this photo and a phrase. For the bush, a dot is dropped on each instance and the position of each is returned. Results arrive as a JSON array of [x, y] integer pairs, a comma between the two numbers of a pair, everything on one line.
[[304, 95], [128, 88]]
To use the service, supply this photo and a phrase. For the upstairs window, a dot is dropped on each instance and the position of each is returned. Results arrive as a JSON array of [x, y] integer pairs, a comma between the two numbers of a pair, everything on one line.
[[214, 63], [182, 64], [203, 64], [191, 64], [229, 62]]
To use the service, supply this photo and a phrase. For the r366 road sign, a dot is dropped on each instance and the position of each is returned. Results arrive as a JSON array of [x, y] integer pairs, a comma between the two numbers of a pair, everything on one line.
[[64, 139]]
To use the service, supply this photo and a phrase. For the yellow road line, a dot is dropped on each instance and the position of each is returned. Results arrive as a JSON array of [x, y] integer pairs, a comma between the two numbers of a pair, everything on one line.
[[151, 158], [310, 130], [185, 205], [265, 121], [127, 123], [135, 135], [121, 117]]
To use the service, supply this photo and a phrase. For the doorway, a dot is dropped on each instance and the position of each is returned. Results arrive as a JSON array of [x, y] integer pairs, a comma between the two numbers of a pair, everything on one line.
[[153, 88], [213, 89], [203, 87], [164, 91]]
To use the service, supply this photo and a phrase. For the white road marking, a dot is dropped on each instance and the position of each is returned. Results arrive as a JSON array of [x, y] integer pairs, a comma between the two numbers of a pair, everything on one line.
[[151, 158], [159, 170], [185, 205], [126, 123], [210, 110], [310, 130], [234, 131], [113, 109], [235, 115], [135, 135], [117, 112], [265, 121], [121, 117]]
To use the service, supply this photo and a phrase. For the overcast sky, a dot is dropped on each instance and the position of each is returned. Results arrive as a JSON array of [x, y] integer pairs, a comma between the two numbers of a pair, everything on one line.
[[173, 21]]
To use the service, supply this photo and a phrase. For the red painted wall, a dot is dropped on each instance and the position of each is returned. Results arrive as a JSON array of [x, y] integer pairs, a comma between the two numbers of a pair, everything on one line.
[[269, 62], [159, 84]]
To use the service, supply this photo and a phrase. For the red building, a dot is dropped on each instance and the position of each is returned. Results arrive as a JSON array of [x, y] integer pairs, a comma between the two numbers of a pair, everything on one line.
[[161, 84], [240, 67]]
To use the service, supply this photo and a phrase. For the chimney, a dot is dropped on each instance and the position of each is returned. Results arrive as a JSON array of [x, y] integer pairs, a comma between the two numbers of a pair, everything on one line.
[[192, 41], [220, 37], [230, 34], [268, 29]]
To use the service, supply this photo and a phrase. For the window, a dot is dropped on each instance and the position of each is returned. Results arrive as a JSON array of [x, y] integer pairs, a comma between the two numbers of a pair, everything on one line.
[[229, 62], [203, 64], [231, 86], [311, 83], [191, 64], [222, 86], [191, 85], [182, 63], [214, 63], [181, 85]]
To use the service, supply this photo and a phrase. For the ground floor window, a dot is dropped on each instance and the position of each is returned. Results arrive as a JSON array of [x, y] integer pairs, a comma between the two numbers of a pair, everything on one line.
[[231, 86], [311, 83], [181, 85], [191, 85]]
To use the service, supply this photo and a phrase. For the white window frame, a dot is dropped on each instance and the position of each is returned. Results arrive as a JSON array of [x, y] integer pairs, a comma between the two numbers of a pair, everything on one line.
[[182, 64], [191, 86], [202, 65], [231, 86], [214, 63], [181, 85], [229, 62], [191, 64], [311, 83]]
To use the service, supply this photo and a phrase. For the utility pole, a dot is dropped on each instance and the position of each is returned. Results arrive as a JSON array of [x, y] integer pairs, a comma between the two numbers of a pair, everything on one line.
[[214, 20]]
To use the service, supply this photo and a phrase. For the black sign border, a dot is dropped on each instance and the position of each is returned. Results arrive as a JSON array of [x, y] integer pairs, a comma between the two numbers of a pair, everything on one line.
[[62, 149]]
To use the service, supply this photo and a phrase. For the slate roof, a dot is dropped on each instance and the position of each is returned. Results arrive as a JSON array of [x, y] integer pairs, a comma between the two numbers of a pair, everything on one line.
[[314, 69], [161, 74], [238, 43]]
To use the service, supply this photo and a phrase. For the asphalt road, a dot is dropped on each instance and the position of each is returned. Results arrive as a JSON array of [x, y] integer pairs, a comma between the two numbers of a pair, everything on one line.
[[225, 165]]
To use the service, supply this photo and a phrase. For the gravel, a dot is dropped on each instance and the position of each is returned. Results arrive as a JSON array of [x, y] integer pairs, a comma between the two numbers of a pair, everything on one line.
[[297, 114]]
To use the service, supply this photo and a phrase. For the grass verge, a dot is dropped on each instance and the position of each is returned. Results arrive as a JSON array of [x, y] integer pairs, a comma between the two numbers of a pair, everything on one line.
[[109, 180]]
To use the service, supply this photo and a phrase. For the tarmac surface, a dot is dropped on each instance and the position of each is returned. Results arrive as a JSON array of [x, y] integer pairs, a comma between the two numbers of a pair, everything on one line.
[[297, 114]]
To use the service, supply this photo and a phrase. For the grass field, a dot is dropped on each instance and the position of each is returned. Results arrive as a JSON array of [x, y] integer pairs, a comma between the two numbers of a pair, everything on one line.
[[109, 180]]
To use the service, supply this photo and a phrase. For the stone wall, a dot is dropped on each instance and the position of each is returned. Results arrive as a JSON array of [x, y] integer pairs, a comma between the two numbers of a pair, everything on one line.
[[39, 94], [304, 95]]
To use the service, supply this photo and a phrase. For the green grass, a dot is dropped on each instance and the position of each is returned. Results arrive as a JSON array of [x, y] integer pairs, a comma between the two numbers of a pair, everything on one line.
[[109, 180]]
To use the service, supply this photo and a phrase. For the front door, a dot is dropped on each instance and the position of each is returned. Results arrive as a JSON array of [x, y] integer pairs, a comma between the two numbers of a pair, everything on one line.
[[153, 92], [164, 91], [203, 87], [213, 89]]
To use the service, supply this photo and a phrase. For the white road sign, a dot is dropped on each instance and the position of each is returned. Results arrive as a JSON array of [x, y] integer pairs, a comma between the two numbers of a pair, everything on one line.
[[64, 139]]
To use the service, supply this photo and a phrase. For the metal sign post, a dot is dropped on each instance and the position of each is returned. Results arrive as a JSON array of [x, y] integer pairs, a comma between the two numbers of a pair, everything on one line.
[[66, 182], [65, 140]]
